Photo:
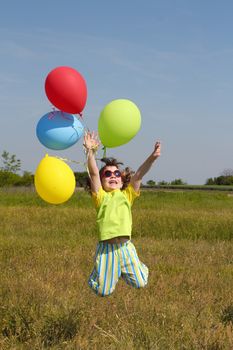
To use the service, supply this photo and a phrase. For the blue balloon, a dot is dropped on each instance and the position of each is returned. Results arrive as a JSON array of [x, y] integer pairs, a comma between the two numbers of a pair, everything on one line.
[[58, 130]]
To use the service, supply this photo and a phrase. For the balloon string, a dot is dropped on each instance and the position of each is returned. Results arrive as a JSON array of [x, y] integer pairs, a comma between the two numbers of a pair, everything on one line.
[[62, 114], [105, 151], [85, 164], [52, 114], [84, 125], [71, 161], [82, 163]]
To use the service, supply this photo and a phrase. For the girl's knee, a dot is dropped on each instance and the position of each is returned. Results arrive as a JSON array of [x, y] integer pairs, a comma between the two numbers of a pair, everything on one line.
[[102, 293], [99, 289], [142, 283], [144, 277], [135, 280]]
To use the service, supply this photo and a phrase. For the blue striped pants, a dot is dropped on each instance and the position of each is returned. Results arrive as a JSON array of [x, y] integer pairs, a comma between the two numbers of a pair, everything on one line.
[[113, 261]]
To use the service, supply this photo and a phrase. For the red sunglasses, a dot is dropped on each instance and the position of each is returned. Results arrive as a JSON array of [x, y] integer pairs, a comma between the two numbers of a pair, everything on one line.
[[109, 173]]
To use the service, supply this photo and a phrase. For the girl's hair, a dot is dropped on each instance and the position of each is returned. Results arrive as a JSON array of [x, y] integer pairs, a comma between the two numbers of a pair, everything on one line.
[[125, 173]]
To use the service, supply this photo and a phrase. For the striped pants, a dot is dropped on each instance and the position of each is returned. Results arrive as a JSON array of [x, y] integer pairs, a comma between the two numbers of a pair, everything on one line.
[[113, 261]]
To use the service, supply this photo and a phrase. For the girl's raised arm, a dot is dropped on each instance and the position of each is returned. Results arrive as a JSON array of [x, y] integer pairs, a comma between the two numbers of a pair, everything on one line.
[[91, 144], [145, 167]]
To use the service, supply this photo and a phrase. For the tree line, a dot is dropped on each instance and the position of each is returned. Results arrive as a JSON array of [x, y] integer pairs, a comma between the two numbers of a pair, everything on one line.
[[10, 173], [11, 167], [225, 179]]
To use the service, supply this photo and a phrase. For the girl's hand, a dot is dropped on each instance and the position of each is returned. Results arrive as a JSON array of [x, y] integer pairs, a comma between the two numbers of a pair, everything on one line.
[[157, 150], [91, 141]]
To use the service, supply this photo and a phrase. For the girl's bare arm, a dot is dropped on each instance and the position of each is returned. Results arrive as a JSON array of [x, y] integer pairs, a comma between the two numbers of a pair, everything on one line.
[[91, 143], [145, 167]]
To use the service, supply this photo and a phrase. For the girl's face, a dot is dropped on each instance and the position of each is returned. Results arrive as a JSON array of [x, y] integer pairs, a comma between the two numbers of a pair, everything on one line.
[[111, 178]]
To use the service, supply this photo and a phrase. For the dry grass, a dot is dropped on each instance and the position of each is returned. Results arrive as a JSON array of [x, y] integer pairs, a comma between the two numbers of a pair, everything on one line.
[[46, 257]]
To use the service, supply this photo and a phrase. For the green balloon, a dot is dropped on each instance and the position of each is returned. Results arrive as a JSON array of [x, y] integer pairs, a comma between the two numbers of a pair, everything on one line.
[[119, 122]]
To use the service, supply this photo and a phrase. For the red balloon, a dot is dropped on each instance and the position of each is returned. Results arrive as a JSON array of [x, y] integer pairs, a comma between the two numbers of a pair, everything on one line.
[[66, 89]]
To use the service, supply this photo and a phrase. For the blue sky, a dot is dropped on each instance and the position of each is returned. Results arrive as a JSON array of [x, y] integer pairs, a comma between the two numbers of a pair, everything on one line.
[[174, 59]]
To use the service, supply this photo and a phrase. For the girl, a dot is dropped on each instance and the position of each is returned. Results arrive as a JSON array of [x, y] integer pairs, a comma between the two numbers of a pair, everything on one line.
[[114, 192]]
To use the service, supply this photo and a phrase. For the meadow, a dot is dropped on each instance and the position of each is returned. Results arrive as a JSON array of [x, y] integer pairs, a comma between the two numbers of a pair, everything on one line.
[[46, 256]]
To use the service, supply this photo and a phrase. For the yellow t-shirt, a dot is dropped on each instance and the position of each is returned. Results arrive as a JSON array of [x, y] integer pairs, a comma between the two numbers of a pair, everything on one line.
[[114, 216]]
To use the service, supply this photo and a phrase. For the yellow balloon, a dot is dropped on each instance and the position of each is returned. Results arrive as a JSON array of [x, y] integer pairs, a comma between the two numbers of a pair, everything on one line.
[[54, 180]]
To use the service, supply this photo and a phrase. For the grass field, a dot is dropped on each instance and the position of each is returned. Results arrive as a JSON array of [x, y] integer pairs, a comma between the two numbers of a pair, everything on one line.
[[46, 256]]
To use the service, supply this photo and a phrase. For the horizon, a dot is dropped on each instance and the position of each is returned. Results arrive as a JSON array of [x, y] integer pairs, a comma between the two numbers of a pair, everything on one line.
[[173, 60]]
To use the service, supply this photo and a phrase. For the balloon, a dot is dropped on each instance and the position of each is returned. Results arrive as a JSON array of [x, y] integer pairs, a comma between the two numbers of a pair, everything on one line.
[[59, 130], [66, 89], [54, 180], [119, 122]]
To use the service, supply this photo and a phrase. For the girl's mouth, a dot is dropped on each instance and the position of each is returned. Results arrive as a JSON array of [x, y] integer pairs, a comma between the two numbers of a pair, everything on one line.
[[112, 182]]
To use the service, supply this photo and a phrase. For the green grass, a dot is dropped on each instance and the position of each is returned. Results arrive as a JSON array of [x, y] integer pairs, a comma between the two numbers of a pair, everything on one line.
[[46, 256]]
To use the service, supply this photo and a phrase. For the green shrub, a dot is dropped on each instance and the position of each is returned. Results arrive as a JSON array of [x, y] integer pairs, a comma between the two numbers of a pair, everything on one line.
[[220, 180], [26, 180], [178, 182], [81, 178], [8, 178]]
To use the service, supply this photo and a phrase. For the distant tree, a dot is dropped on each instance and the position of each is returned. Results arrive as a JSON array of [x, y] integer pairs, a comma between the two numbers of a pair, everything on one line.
[[26, 180], [178, 182], [163, 183], [81, 178], [224, 180], [151, 183], [10, 163], [210, 181], [220, 180], [8, 178]]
